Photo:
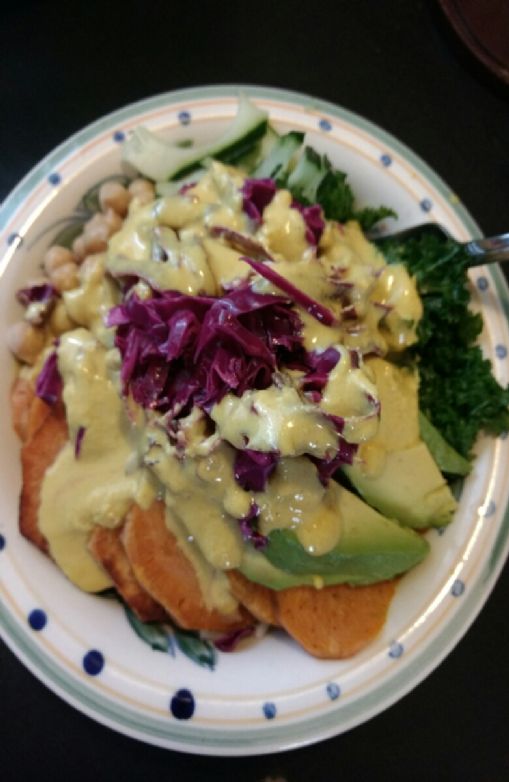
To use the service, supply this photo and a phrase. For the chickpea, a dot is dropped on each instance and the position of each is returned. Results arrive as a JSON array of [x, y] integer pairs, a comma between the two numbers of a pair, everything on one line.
[[65, 277], [60, 322], [113, 195], [91, 266], [25, 341], [96, 234], [142, 190], [79, 249], [56, 256], [113, 220]]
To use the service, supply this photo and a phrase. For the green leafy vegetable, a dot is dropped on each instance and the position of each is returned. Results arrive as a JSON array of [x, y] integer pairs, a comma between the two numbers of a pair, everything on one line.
[[370, 215], [315, 181], [458, 392], [335, 197]]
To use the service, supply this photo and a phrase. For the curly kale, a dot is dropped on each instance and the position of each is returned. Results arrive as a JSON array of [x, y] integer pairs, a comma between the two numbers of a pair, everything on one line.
[[458, 392]]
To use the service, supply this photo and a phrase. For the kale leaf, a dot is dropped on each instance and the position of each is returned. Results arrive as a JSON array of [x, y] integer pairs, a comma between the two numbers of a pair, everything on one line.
[[458, 392]]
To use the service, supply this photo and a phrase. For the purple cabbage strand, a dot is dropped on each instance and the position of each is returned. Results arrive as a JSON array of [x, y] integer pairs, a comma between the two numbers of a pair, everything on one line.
[[252, 469], [49, 382], [313, 307]]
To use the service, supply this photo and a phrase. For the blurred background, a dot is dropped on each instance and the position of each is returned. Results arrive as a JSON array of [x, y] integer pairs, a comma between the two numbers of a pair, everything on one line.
[[432, 73]]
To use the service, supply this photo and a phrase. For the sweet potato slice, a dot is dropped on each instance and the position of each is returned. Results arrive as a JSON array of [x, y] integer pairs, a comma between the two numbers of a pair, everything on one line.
[[37, 454], [22, 396], [336, 621], [258, 599], [106, 547], [28, 411], [164, 571]]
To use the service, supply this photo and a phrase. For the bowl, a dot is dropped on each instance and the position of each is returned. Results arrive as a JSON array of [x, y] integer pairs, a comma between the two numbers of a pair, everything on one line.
[[271, 695]]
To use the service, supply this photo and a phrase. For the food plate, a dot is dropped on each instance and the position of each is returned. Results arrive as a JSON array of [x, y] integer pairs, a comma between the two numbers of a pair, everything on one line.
[[271, 695]]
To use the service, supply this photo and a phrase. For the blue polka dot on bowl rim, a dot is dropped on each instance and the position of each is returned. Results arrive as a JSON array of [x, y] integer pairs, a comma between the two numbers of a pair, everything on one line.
[[426, 205], [396, 650], [37, 619], [2, 542], [269, 710], [184, 117], [501, 351], [489, 509], [458, 588], [482, 283], [333, 690], [93, 662], [182, 704], [325, 125], [119, 136], [385, 160], [14, 237], [54, 179]]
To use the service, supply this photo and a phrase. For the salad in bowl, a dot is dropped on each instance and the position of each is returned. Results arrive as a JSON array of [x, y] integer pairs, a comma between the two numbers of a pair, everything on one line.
[[220, 396], [249, 423]]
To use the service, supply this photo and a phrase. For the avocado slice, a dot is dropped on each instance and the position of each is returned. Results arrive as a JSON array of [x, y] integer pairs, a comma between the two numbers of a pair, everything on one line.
[[371, 549], [447, 458], [396, 473]]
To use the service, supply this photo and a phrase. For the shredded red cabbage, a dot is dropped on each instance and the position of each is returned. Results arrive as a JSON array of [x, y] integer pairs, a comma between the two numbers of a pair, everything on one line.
[[313, 218], [338, 421], [314, 308], [354, 359], [320, 366], [249, 529], [228, 643], [188, 186], [252, 469], [49, 382], [80, 434], [328, 467], [42, 293], [241, 242], [257, 193], [179, 351]]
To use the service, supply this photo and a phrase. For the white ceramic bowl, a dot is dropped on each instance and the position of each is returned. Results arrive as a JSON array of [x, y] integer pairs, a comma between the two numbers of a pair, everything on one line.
[[272, 695]]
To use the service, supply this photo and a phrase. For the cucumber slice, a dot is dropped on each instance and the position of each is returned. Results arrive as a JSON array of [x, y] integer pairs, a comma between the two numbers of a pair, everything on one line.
[[277, 163], [170, 188], [158, 160], [245, 163], [307, 176], [261, 150]]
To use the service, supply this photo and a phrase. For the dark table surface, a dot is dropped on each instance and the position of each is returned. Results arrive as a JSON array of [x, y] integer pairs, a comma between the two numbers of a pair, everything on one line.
[[395, 62]]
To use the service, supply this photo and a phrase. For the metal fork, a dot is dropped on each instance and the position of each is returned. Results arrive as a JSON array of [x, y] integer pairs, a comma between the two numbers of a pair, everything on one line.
[[493, 249]]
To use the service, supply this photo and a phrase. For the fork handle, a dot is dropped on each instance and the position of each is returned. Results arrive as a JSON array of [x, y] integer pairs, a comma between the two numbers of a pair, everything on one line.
[[493, 249]]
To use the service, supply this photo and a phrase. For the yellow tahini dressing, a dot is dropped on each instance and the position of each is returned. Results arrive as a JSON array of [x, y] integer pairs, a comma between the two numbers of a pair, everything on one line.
[[99, 485], [127, 455]]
